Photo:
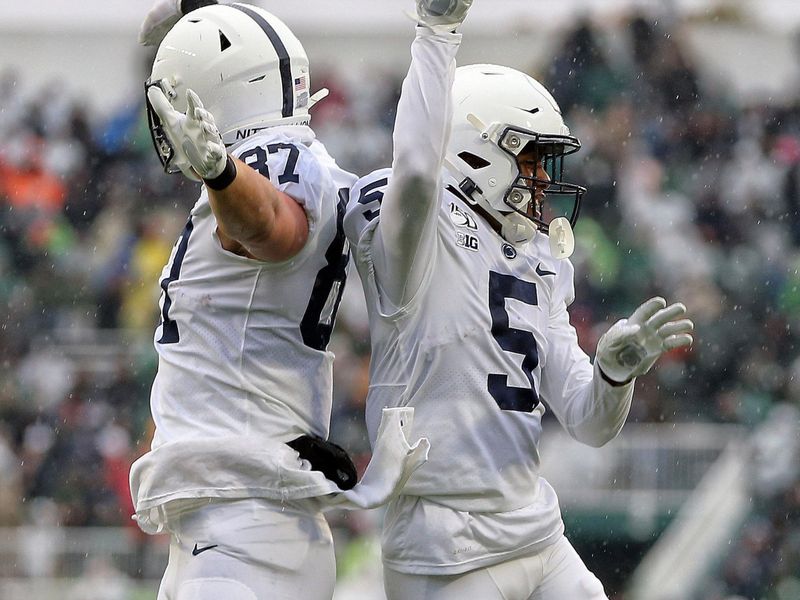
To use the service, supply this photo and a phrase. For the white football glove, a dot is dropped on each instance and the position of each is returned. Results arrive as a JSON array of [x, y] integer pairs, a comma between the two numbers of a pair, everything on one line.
[[632, 346], [442, 15], [158, 21], [195, 139]]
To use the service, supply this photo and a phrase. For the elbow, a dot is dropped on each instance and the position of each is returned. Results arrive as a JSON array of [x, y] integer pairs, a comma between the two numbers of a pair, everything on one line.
[[419, 161], [596, 438], [418, 189]]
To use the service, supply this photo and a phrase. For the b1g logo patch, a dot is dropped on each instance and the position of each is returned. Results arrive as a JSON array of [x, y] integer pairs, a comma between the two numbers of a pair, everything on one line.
[[465, 240]]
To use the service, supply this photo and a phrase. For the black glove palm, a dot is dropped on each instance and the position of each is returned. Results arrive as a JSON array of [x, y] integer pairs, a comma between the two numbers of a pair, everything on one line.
[[329, 458]]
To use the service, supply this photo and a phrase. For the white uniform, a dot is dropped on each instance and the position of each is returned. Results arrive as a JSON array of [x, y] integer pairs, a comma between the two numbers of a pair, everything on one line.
[[243, 365], [472, 333]]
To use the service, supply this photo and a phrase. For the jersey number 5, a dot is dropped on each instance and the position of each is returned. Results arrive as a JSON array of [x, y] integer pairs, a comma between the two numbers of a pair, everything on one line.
[[518, 341]]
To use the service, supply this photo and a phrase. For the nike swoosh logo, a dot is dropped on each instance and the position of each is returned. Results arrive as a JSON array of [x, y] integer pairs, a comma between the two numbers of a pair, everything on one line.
[[541, 272], [197, 550]]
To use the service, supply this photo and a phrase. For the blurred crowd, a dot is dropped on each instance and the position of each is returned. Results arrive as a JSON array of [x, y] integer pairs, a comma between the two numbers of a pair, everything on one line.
[[693, 195]]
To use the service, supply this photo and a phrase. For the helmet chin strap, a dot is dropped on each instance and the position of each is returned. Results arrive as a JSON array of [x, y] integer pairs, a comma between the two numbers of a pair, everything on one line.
[[517, 233], [514, 232], [561, 238]]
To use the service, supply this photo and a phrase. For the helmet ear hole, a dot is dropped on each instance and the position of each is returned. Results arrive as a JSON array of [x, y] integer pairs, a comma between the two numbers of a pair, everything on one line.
[[473, 160], [224, 42]]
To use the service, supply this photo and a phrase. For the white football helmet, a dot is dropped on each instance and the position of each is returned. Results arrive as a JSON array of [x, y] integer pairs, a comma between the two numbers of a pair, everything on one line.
[[245, 64], [498, 113]]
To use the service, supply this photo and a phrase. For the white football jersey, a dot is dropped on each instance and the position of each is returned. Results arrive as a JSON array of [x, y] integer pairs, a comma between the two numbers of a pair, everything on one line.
[[242, 343], [479, 348]]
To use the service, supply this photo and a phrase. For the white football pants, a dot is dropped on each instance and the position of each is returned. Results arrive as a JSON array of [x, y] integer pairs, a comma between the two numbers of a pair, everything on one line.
[[251, 549], [556, 573]]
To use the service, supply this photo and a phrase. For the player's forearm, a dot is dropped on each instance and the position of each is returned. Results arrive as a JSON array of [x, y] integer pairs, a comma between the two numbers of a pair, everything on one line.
[[251, 212], [590, 410], [597, 411], [420, 136], [422, 125]]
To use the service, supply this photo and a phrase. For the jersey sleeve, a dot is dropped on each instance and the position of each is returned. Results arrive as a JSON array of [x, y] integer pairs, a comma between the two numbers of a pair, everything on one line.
[[405, 240], [589, 409], [364, 206], [360, 226], [293, 169]]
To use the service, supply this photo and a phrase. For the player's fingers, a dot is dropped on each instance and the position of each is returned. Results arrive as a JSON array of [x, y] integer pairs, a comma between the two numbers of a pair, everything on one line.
[[194, 104], [665, 315], [647, 310], [201, 114], [675, 327], [677, 341], [209, 125], [198, 158], [162, 107]]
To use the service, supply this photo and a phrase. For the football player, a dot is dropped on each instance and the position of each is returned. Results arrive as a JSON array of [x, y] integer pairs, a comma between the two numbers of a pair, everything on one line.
[[462, 248], [239, 468]]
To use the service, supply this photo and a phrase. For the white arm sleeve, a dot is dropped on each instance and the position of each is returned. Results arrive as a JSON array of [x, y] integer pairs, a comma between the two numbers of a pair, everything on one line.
[[590, 410], [405, 239]]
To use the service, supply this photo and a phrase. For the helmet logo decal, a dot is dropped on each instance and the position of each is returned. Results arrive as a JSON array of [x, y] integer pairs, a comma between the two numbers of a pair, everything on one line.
[[284, 65], [301, 89]]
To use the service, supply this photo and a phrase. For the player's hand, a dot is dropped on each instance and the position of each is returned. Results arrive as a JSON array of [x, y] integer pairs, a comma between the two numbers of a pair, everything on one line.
[[158, 21], [163, 15], [442, 15], [195, 139], [631, 346]]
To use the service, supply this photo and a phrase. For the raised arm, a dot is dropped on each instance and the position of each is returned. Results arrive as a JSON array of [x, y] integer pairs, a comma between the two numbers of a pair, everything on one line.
[[254, 218], [422, 127]]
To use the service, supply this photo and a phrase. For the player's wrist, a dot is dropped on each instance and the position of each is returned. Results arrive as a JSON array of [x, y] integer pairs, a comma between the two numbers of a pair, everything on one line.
[[225, 178], [613, 382], [442, 16]]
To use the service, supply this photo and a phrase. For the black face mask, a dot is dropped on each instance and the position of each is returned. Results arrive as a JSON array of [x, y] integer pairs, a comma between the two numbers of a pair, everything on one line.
[[164, 149], [562, 199]]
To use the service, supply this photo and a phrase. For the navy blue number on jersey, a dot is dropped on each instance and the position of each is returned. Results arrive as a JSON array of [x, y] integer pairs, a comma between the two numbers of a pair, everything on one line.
[[317, 323], [257, 159], [169, 328], [320, 314], [518, 341], [371, 197]]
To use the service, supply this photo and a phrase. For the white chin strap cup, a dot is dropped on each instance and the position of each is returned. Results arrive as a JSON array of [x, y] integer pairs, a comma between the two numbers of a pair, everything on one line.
[[562, 240]]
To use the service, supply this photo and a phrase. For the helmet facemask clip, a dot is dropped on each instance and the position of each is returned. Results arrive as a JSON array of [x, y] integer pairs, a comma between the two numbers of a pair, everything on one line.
[[562, 199]]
